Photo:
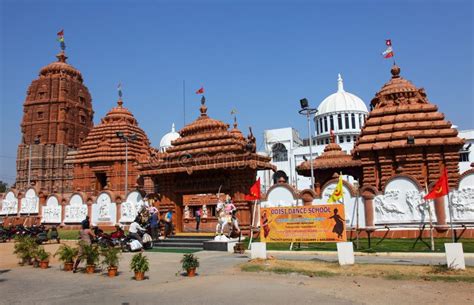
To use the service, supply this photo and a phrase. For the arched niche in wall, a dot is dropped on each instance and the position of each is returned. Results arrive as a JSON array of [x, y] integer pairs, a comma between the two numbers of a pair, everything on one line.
[[51, 212], [353, 205], [30, 202], [130, 208], [103, 209], [401, 202], [9, 204], [76, 210], [281, 195], [462, 199]]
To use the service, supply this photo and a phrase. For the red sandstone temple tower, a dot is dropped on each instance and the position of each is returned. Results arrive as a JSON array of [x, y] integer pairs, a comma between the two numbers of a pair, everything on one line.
[[100, 162], [406, 135], [57, 118]]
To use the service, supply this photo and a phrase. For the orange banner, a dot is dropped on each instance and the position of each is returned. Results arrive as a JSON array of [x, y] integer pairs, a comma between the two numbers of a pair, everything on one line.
[[317, 223]]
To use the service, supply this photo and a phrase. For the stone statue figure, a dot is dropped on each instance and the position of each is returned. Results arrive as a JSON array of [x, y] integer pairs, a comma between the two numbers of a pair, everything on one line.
[[187, 214], [226, 216], [204, 211]]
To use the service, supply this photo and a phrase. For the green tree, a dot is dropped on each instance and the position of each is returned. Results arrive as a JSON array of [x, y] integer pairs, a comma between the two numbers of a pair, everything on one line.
[[3, 186]]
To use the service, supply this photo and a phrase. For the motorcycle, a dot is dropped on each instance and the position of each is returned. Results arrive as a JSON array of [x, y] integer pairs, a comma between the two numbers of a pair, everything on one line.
[[130, 244]]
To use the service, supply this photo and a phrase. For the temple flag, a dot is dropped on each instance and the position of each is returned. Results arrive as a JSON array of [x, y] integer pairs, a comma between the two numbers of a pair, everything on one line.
[[388, 53], [119, 88], [200, 91], [61, 34], [441, 187], [338, 193], [254, 191]]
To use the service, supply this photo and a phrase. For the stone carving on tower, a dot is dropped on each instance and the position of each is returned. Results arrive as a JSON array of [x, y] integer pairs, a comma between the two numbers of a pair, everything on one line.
[[57, 116]]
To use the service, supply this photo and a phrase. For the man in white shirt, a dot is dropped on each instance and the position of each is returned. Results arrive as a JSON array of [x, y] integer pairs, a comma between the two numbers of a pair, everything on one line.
[[134, 228]]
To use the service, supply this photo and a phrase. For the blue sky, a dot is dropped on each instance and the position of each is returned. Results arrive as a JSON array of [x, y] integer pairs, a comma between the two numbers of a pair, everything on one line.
[[259, 57]]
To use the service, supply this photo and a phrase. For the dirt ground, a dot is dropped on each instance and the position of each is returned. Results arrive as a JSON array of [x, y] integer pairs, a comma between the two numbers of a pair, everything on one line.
[[219, 281]]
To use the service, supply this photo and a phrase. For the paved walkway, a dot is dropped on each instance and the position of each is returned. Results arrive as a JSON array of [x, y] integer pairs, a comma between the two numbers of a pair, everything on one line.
[[219, 281]]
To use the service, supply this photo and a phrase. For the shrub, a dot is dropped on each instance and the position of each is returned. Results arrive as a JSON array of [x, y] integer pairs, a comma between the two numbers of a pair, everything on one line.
[[110, 256], [189, 261], [66, 253], [139, 263]]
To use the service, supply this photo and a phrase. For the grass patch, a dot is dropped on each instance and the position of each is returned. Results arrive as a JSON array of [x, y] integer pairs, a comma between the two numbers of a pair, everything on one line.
[[387, 245], [389, 272]]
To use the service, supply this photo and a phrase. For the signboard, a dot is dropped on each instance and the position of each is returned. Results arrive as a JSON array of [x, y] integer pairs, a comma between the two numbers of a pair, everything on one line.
[[316, 223]]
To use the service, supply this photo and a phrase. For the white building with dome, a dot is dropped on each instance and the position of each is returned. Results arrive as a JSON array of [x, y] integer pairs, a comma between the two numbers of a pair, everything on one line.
[[166, 140], [342, 112]]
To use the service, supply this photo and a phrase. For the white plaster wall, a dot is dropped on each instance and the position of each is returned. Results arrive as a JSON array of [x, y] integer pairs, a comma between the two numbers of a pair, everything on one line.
[[462, 201], [51, 213], [30, 203], [9, 204], [280, 197], [104, 210], [76, 210], [402, 202], [351, 204], [130, 208]]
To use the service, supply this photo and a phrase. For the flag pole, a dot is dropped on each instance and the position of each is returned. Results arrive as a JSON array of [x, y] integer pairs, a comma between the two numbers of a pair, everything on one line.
[[253, 223], [357, 215], [451, 218], [431, 220], [184, 102]]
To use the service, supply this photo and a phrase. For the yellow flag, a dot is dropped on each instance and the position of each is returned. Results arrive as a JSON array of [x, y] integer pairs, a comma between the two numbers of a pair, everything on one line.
[[338, 192]]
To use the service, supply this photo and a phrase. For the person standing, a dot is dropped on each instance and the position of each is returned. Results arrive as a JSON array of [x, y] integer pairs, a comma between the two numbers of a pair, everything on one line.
[[154, 224], [168, 223], [85, 238], [198, 218]]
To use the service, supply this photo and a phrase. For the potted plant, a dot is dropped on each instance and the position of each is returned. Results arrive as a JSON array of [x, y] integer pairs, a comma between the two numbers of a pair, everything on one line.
[[139, 264], [190, 263], [25, 248], [110, 258], [91, 254], [67, 254], [43, 257]]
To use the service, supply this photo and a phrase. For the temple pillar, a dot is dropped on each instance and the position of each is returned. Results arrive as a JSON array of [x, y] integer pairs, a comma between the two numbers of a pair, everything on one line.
[[368, 208], [440, 211]]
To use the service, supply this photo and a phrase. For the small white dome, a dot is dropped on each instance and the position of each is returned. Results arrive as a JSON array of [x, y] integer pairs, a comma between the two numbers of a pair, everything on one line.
[[168, 138], [341, 101]]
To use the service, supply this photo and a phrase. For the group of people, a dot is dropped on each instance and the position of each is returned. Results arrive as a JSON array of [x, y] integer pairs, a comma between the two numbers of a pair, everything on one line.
[[86, 235]]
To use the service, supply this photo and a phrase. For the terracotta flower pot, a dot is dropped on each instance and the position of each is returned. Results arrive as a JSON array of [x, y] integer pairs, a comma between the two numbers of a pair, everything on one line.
[[90, 269], [44, 264], [139, 276], [191, 272], [112, 271], [68, 266]]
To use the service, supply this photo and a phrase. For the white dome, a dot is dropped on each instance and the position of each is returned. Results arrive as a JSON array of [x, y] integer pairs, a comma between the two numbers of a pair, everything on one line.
[[341, 101], [168, 138]]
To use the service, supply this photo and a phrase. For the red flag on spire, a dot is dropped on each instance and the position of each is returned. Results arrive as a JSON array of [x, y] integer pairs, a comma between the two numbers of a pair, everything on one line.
[[200, 91], [61, 33], [254, 191], [441, 187], [388, 53]]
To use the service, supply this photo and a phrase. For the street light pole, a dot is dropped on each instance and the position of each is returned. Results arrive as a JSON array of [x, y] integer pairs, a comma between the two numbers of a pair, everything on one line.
[[126, 139], [305, 110]]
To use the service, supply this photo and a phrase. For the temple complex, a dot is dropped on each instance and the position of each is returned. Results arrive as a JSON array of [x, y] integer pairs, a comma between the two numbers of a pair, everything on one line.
[[57, 117], [207, 160], [68, 169]]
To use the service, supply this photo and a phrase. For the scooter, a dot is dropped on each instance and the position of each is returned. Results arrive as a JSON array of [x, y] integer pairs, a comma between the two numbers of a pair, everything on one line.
[[130, 244]]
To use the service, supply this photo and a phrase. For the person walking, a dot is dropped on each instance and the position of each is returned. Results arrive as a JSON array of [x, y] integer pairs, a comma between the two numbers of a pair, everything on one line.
[[198, 218], [168, 223], [154, 224], [85, 238]]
